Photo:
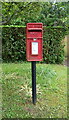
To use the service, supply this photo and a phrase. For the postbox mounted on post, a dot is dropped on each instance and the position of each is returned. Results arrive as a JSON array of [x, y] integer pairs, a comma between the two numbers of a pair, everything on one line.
[[34, 36]]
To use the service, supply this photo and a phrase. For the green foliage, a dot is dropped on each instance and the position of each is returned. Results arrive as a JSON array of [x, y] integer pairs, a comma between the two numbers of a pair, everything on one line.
[[53, 45], [51, 14], [14, 44], [54, 14], [20, 13]]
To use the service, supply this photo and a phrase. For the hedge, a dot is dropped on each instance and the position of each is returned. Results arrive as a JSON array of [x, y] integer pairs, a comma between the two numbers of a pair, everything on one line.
[[14, 44]]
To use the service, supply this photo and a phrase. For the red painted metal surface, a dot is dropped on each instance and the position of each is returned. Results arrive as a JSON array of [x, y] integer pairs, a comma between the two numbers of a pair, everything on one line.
[[34, 36]]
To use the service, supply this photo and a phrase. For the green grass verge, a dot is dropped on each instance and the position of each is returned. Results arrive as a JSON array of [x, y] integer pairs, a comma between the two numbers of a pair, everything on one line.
[[51, 91]]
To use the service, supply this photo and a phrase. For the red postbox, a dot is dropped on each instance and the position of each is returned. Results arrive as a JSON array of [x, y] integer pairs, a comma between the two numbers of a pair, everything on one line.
[[34, 36]]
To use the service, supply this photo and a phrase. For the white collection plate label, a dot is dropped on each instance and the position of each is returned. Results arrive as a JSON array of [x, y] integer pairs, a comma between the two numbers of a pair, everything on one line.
[[35, 48]]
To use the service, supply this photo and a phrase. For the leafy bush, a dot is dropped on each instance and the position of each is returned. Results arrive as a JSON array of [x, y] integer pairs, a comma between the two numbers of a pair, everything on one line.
[[14, 44], [51, 14], [53, 45]]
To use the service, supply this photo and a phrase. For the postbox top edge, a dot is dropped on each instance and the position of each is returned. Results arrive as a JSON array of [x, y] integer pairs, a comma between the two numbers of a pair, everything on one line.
[[35, 23]]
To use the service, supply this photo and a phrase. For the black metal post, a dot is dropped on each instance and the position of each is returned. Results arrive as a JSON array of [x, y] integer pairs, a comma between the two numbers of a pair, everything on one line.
[[34, 82]]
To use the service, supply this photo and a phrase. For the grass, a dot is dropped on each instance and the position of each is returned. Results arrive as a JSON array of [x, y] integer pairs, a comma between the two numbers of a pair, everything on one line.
[[51, 91]]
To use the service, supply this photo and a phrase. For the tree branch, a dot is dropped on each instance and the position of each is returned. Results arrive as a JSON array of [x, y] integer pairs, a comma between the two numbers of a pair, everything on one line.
[[23, 7]]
